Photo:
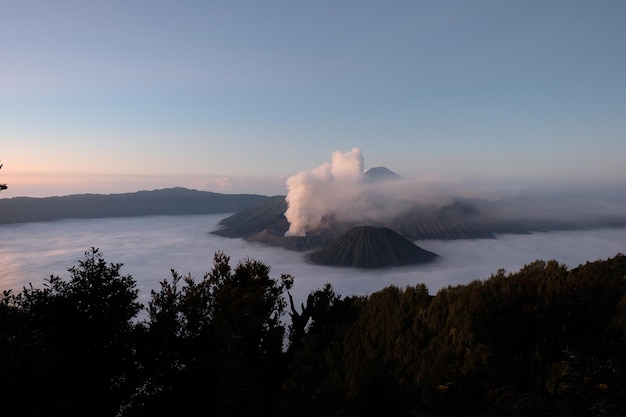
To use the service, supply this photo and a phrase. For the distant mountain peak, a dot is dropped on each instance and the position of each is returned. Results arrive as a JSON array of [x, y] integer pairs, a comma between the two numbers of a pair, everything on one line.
[[377, 174]]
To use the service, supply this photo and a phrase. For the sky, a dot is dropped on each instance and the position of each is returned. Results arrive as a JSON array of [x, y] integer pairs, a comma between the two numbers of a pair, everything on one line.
[[237, 96]]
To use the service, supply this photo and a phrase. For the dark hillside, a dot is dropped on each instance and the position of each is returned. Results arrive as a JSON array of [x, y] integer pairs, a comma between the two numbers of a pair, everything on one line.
[[265, 223], [266, 214], [171, 201]]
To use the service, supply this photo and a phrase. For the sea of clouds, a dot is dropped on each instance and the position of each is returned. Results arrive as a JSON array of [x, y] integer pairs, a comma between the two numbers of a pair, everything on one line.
[[149, 247]]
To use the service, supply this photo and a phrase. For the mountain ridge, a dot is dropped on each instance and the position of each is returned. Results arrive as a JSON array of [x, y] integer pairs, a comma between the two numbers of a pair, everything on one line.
[[166, 201]]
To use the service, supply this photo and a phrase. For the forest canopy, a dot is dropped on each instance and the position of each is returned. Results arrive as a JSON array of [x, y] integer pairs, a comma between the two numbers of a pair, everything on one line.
[[545, 340]]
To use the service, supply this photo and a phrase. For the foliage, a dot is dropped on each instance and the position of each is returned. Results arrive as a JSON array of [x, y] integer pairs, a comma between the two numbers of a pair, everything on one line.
[[211, 342], [2, 186], [310, 384], [543, 341], [69, 344], [546, 340]]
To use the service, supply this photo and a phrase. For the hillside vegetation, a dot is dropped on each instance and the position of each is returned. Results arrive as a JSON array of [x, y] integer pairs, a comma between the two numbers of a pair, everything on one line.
[[543, 341]]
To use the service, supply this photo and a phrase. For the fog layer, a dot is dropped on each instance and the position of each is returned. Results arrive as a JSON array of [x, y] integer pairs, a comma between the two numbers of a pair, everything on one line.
[[150, 246]]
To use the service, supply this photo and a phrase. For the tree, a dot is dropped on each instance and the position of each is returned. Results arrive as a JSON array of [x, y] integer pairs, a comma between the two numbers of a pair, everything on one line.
[[248, 306], [214, 346], [312, 385], [2, 186], [70, 343]]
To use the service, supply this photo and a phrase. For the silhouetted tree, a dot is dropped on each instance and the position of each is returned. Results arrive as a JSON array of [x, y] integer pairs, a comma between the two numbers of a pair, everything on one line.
[[2, 186], [215, 346], [545, 340], [311, 386], [69, 345]]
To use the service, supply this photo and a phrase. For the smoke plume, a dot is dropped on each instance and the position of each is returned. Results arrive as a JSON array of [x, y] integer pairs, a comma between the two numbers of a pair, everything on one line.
[[339, 191], [322, 192]]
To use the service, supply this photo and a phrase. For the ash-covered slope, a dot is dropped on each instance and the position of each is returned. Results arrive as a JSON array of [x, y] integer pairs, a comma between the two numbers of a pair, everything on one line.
[[371, 247], [457, 220]]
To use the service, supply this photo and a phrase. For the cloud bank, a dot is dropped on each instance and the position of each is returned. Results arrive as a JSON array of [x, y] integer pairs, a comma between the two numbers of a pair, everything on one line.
[[150, 246]]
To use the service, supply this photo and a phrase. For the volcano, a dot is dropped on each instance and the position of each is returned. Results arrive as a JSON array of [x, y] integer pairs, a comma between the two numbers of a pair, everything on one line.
[[378, 174], [391, 205], [371, 247], [266, 223]]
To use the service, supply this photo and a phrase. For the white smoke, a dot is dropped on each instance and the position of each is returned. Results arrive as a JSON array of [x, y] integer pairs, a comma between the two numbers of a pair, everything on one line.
[[322, 192], [338, 192]]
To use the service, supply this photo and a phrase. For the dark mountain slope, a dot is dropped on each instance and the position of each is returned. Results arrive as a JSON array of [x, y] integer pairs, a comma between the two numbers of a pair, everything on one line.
[[171, 201], [268, 214], [457, 220], [371, 247], [265, 223]]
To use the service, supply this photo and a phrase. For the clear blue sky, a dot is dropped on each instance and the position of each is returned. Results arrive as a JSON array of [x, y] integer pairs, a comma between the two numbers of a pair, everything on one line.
[[235, 96]]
